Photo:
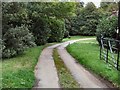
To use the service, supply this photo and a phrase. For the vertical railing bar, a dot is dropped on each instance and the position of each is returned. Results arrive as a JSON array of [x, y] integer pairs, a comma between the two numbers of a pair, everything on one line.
[[107, 51], [103, 48], [118, 56], [113, 58], [100, 51]]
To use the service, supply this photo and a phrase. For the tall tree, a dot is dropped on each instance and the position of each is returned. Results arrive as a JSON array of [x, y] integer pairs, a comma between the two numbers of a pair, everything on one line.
[[88, 19], [41, 16]]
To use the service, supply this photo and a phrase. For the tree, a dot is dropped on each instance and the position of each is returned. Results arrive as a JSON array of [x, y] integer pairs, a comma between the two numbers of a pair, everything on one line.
[[107, 27], [108, 6], [44, 16], [86, 21], [13, 14], [16, 36], [57, 30]]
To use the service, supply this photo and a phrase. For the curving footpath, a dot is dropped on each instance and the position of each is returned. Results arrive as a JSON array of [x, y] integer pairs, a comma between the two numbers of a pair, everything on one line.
[[46, 74], [81, 75], [45, 70]]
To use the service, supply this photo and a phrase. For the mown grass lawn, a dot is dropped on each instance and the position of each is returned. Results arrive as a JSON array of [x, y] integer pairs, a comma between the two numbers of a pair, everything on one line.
[[76, 37], [87, 54], [18, 72]]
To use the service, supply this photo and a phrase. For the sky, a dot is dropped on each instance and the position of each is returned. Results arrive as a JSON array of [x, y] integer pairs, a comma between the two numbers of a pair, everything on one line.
[[96, 2]]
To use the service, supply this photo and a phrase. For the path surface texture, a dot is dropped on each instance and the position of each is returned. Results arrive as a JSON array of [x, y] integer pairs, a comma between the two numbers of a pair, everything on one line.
[[45, 71], [46, 74]]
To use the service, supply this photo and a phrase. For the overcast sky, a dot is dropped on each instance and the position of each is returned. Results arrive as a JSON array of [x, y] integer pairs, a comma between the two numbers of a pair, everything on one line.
[[96, 2]]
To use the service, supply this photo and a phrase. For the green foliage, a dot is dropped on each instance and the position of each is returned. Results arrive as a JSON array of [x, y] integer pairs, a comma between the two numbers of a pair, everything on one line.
[[109, 6], [107, 27], [57, 30], [85, 22], [16, 40], [72, 25], [39, 24], [46, 20], [16, 36], [38, 18], [90, 20], [64, 10], [41, 30], [13, 14]]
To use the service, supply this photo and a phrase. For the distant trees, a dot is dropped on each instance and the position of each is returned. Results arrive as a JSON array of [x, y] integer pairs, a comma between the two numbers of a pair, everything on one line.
[[85, 21], [90, 19], [47, 20]]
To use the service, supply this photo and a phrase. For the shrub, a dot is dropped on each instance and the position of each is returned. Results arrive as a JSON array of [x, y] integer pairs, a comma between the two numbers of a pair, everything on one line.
[[16, 40], [107, 27], [41, 30], [57, 30]]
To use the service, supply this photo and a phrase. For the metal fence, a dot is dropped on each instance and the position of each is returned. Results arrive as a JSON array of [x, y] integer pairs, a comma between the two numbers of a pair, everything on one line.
[[109, 52]]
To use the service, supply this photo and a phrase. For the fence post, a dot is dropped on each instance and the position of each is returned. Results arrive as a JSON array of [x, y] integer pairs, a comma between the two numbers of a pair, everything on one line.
[[100, 51], [107, 52], [118, 56], [101, 46], [118, 35]]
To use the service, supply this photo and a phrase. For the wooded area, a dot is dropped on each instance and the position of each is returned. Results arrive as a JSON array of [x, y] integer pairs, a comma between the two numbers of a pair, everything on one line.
[[28, 24]]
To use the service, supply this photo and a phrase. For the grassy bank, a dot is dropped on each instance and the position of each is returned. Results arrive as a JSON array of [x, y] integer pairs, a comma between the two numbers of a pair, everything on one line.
[[65, 78], [18, 72], [87, 54]]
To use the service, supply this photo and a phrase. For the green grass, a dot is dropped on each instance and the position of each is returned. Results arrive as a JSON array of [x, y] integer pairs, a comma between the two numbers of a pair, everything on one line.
[[87, 54], [18, 72], [76, 37], [66, 80]]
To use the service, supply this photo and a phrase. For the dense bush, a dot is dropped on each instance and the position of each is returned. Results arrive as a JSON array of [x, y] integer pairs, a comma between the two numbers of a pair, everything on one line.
[[57, 30], [16, 40], [73, 25], [16, 36], [107, 27], [40, 30]]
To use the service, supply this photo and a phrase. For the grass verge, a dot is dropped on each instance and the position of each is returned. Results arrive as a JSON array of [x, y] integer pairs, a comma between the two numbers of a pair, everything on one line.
[[76, 37], [87, 54], [18, 72], [65, 78]]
